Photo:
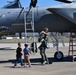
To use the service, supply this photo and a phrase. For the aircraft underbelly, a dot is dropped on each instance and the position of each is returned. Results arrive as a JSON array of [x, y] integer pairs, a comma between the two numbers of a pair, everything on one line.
[[54, 22]]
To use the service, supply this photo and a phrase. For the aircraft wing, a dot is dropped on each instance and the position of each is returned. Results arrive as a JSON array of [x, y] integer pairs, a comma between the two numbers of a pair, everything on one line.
[[68, 13], [65, 1]]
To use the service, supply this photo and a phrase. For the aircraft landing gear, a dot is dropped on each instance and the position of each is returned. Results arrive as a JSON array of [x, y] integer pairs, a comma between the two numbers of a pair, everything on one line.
[[58, 55]]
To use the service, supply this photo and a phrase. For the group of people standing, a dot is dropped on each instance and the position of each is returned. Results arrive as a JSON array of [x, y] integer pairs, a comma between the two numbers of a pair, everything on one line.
[[26, 51]]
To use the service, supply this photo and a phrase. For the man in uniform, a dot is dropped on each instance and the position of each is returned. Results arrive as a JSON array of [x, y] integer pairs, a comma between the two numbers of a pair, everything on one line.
[[43, 39]]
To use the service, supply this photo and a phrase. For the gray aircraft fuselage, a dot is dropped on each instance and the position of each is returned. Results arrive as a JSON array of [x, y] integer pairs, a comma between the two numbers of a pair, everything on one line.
[[60, 18]]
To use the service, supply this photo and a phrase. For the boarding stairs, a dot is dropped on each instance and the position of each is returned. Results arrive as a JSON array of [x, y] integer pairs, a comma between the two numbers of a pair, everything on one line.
[[29, 22], [72, 46], [29, 26]]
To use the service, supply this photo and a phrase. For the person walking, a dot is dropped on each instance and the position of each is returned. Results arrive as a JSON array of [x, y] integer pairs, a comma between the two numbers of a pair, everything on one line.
[[26, 55], [19, 55], [43, 39]]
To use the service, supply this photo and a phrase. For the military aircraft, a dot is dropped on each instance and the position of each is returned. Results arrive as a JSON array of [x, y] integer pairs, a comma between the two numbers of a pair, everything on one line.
[[58, 18]]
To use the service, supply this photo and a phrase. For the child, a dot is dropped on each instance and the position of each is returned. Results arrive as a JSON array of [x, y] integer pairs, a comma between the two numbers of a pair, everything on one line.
[[19, 55], [26, 55]]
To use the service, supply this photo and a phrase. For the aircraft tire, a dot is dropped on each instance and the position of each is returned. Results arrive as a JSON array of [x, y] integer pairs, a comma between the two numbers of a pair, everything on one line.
[[58, 55]]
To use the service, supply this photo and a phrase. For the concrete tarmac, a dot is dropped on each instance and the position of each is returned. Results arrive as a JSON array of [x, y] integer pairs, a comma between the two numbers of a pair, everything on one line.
[[7, 58]]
